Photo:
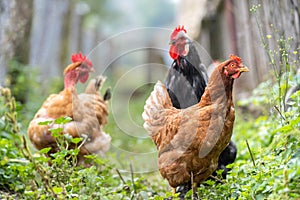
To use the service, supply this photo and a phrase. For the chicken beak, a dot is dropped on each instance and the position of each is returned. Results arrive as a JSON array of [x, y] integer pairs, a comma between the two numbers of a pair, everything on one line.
[[91, 69], [244, 69]]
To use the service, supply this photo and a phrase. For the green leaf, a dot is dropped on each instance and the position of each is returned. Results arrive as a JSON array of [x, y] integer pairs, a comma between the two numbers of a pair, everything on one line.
[[91, 156], [46, 122], [295, 122], [76, 140], [285, 129], [56, 131], [45, 150], [57, 190], [68, 137], [74, 152], [62, 120]]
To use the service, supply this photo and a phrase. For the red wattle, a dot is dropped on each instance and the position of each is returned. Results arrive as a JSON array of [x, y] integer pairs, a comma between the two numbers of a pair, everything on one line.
[[236, 75], [84, 78], [173, 52]]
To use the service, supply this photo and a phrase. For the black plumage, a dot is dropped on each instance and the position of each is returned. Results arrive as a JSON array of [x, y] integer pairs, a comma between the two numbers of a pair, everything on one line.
[[186, 79], [227, 157]]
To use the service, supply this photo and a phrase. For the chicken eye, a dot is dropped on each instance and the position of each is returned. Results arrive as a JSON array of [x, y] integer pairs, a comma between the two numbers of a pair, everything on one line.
[[232, 65], [172, 42]]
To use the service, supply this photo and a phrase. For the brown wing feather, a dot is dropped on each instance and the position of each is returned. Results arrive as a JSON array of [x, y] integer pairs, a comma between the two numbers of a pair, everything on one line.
[[99, 105], [96, 116], [188, 140], [192, 142], [59, 105], [55, 106]]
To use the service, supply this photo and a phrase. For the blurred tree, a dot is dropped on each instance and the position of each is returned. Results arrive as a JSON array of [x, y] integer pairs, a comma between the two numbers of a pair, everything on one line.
[[46, 42], [154, 13], [15, 26]]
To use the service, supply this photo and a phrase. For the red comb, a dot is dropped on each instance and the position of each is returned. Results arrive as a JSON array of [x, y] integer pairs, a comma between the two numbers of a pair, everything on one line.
[[176, 31], [78, 57], [180, 29], [236, 58]]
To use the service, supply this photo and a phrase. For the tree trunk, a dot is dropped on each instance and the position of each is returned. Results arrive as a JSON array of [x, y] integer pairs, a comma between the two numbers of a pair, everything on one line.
[[46, 42], [74, 36], [15, 18]]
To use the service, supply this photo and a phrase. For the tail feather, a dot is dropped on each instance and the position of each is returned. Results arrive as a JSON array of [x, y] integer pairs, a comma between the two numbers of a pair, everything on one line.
[[107, 95], [92, 98], [154, 109], [95, 84]]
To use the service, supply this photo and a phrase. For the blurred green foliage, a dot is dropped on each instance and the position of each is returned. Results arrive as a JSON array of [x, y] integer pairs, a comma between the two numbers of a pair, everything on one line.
[[27, 89]]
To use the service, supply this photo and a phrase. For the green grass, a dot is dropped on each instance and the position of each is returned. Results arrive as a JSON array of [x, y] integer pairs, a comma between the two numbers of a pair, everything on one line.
[[274, 143]]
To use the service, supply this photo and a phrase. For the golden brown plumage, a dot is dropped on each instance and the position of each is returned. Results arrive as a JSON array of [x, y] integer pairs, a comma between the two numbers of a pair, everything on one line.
[[189, 141], [88, 111]]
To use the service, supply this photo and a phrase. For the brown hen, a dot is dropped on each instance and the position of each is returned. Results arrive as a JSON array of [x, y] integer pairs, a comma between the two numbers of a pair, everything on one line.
[[88, 111], [189, 141]]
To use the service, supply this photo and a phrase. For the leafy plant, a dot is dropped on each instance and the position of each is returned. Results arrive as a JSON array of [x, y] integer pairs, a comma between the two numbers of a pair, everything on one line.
[[12, 169], [283, 59]]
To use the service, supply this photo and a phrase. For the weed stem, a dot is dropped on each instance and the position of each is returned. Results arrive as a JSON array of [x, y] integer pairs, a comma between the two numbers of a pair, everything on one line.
[[252, 158]]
